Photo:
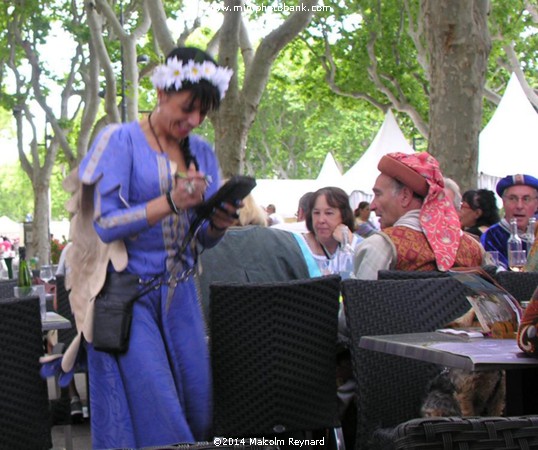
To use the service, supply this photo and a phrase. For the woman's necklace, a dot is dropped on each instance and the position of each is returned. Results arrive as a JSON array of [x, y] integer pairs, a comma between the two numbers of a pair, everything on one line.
[[324, 249], [154, 134]]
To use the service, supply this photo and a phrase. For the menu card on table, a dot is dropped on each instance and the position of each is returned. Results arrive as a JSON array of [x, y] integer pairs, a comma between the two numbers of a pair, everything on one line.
[[496, 309]]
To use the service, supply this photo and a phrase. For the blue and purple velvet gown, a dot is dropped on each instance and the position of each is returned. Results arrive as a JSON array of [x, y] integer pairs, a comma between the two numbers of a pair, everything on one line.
[[159, 392]]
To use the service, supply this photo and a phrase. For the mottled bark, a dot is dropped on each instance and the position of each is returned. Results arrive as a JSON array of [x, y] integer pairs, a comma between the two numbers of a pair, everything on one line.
[[40, 226], [459, 43], [240, 106]]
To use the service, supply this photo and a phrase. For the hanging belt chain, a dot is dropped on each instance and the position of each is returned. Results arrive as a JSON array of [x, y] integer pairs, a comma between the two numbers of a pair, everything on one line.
[[174, 280]]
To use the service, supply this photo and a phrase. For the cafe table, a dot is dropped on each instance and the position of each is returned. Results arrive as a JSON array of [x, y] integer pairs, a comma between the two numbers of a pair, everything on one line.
[[473, 354], [54, 321]]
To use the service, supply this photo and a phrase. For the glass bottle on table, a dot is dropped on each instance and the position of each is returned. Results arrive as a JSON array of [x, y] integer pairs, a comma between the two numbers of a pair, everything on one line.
[[514, 241], [516, 254], [8, 258], [24, 280], [529, 235]]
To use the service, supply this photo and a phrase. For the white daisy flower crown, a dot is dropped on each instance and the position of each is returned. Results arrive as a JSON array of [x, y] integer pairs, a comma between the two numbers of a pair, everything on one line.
[[174, 72]]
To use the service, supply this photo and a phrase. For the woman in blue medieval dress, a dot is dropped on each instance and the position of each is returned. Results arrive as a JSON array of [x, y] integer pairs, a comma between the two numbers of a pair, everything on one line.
[[147, 176]]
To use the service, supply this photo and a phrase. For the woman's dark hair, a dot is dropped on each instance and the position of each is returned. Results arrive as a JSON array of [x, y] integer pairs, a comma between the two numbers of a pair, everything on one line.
[[203, 91], [304, 203], [483, 199], [469, 198], [336, 198], [360, 207]]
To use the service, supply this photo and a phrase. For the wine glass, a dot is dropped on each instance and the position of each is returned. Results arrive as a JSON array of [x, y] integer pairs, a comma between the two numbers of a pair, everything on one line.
[[45, 274], [492, 258], [517, 260]]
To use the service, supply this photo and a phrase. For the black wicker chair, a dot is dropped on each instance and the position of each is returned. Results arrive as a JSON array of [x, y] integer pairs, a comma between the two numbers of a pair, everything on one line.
[[456, 433], [61, 407], [65, 336], [390, 388], [24, 406], [6, 288], [520, 284], [421, 274], [273, 353], [409, 275]]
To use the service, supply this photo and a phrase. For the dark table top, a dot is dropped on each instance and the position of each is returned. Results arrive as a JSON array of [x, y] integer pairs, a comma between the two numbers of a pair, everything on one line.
[[452, 351], [55, 321]]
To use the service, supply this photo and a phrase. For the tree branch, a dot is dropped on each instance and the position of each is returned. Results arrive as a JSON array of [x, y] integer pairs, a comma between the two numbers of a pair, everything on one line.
[[415, 30], [327, 61], [163, 38], [515, 66], [95, 24], [398, 103], [247, 51], [532, 10], [257, 74]]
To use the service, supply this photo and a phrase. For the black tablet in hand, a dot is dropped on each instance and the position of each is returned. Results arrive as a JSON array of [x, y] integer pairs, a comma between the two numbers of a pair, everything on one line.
[[236, 188]]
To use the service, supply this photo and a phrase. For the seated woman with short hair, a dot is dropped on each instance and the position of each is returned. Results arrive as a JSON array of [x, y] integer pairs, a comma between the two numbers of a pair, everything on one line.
[[478, 211]]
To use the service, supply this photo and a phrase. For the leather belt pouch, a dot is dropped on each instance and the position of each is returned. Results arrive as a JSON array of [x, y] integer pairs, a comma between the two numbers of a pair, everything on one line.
[[113, 312]]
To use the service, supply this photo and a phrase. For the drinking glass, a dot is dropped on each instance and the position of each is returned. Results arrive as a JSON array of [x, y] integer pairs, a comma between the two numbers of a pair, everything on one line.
[[46, 274], [517, 260], [492, 258]]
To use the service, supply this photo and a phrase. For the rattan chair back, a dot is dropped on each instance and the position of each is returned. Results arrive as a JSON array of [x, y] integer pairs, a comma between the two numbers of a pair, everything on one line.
[[456, 433], [390, 388], [273, 354], [520, 284], [6, 288], [24, 407], [409, 275], [65, 336]]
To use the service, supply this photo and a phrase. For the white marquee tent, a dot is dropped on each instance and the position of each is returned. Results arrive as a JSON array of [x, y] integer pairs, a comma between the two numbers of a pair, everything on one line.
[[10, 228], [360, 178], [508, 144], [285, 194], [330, 172]]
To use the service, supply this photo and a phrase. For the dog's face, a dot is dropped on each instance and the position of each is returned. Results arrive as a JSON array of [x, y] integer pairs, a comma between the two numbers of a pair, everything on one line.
[[440, 400], [457, 392]]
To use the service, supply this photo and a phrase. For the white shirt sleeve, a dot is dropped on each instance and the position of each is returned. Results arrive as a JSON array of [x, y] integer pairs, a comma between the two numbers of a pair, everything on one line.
[[61, 270], [373, 254]]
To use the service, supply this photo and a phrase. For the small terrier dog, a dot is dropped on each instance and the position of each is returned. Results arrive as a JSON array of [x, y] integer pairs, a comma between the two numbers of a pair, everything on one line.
[[456, 392]]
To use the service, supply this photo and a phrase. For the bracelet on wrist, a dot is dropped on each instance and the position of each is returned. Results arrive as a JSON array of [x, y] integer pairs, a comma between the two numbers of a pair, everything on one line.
[[214, 227], [171, 203]]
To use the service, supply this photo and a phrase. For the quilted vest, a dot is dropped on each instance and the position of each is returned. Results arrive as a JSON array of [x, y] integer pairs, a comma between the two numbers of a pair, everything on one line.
[[414, 252]]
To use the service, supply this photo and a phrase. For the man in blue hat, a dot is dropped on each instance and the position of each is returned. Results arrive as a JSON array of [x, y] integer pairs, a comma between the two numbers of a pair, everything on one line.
[[519, 194]]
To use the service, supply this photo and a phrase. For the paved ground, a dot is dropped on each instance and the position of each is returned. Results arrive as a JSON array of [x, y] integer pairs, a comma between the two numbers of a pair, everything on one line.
[[80, 433]]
